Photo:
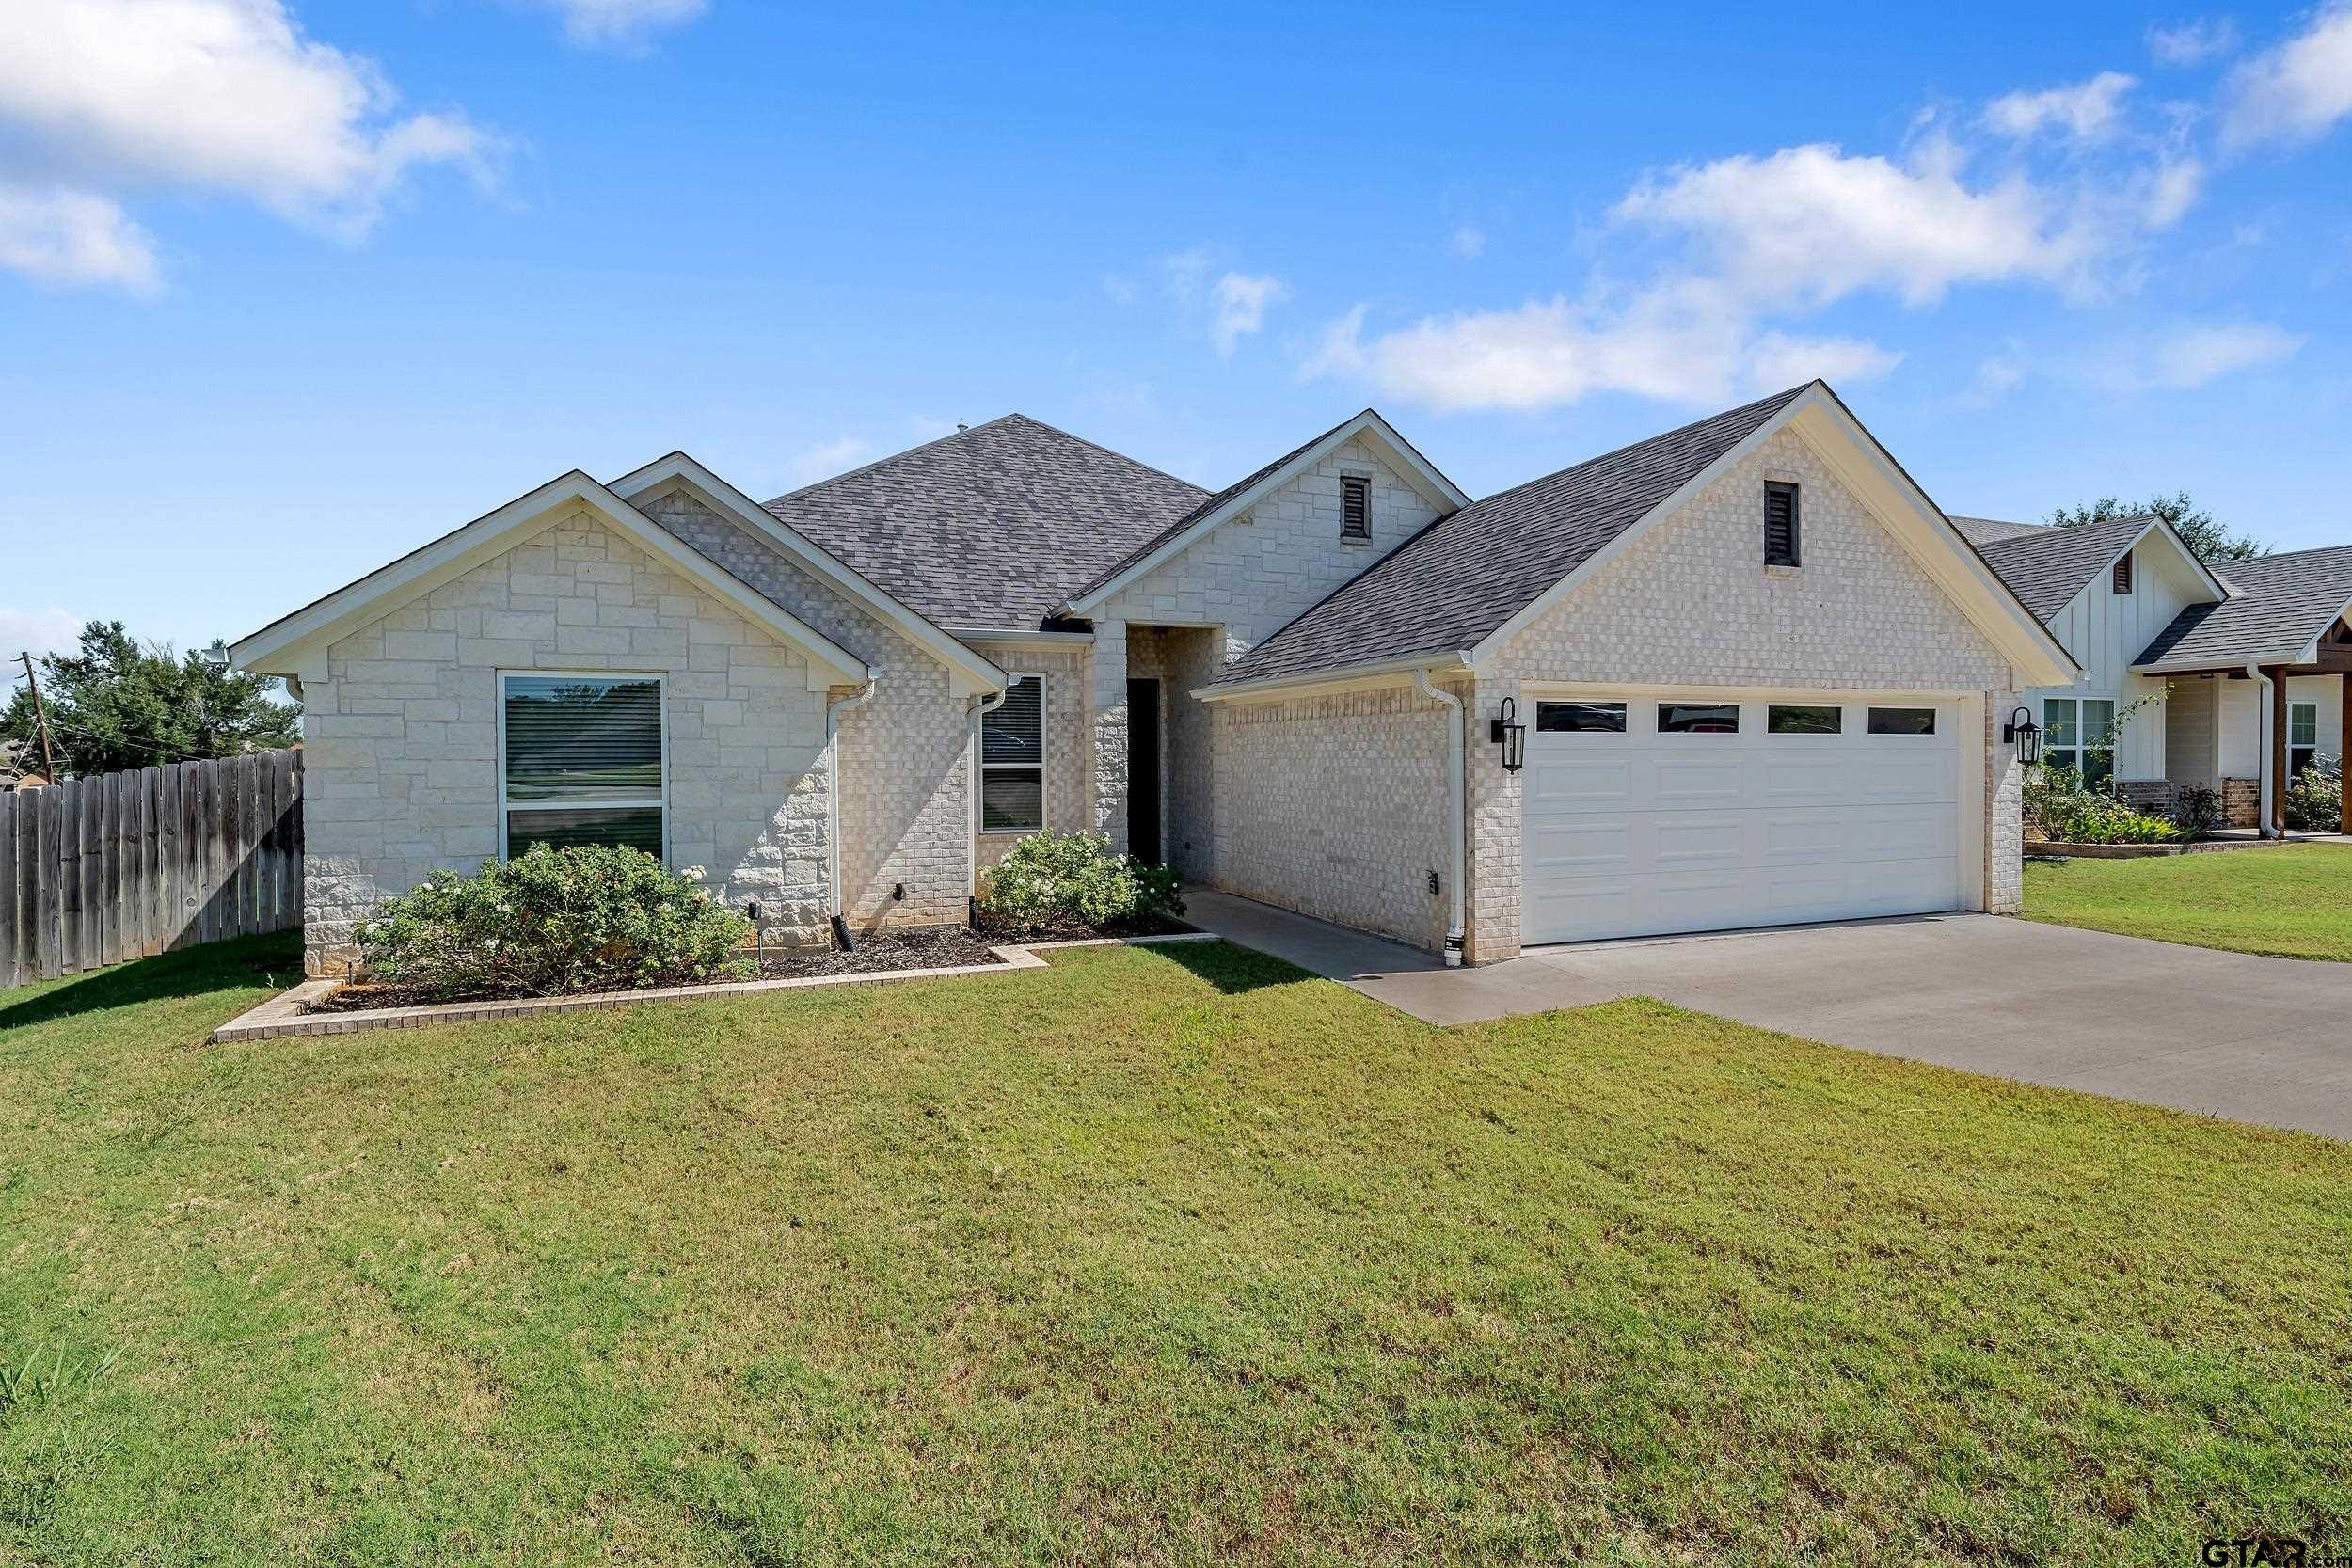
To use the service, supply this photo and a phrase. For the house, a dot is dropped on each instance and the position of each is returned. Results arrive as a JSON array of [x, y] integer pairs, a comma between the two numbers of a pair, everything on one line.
[[1742, 672], [2231, 676]]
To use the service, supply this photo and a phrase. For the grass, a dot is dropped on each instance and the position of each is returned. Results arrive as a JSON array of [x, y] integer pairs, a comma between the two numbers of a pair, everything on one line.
[[2292, 902], [1167, 1255]]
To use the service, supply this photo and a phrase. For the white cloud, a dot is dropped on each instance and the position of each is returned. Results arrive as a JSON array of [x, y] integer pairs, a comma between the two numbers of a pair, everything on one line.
[[2173, 189], [622, 24], [1812, 224], [73, 237], [1686, 342], [1241, 306], [36, 632], [2087, 111], [828, 458], [2189, 356], [2298, 92], [2193, 43], [110, 98], [1469, 241]]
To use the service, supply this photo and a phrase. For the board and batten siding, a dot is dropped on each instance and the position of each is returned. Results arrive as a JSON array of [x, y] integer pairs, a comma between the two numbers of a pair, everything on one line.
[[2106, 631]]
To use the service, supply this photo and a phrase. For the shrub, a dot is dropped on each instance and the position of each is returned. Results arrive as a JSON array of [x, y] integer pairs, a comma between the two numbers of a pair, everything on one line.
[[2315, 801], [554, 923], [1064, 879], [2197, 808], [2065, 811]]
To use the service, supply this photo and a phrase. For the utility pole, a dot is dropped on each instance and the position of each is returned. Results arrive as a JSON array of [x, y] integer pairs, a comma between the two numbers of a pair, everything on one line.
[[40, 716]]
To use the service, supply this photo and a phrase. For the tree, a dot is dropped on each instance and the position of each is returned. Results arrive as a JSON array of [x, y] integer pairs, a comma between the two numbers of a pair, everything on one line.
[[2197, 528], [118, 704]]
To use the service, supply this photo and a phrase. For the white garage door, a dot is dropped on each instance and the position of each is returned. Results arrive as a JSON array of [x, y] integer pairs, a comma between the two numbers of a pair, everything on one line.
[[1647, 816]]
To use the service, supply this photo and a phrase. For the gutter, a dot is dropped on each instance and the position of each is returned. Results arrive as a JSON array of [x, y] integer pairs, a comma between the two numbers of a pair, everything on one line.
[[833, 802], [980, 706], [1441, 659], [1456, 827]]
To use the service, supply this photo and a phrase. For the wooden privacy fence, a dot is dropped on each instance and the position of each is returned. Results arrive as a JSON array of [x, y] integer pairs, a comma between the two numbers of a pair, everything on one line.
[[99, 870]]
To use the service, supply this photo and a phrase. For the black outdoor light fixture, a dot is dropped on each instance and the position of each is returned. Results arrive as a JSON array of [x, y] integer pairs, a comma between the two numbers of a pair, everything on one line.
[[1506, 731], [2023, 734]]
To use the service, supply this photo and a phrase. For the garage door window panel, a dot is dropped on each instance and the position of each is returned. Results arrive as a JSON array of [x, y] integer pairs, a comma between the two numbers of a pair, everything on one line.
[[1698, 719], [1903, 721], [1803, 719], [1580, 718]]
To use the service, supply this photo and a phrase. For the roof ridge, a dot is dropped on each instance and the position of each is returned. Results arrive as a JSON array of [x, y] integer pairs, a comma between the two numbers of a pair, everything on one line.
[[1648, 440], [1107, 451], [889, 458]]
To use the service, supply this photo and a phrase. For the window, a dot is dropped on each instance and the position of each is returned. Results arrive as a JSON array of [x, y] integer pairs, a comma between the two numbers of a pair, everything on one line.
[[1354, 508], [1789, 718], [2302, 736], [2079, 734], [580, 761], [1580, 718], [1781, 525], [2123, 574], [1698, 719], [1905, 720], [1012, 760]]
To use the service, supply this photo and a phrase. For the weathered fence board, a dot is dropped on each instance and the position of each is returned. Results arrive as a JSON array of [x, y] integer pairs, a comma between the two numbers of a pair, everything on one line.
[[98, 871]]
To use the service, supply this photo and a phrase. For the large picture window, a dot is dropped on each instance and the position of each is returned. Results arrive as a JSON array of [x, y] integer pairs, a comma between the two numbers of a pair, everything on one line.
[[2079, 732], [1012, 760], [580, 761]]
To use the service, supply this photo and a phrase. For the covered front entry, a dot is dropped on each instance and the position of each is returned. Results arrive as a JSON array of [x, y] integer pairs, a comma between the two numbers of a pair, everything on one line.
[[1649, 813]]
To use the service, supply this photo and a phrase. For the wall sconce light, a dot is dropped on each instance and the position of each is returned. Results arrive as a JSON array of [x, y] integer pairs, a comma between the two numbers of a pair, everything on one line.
[[2023, 734], [1506, 731]]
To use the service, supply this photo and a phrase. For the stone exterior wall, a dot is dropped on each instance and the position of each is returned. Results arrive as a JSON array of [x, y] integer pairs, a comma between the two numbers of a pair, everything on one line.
[[1337, 806], [905, 753], [1247, 578], [399, 738], [1067, 669], [1691, 602]]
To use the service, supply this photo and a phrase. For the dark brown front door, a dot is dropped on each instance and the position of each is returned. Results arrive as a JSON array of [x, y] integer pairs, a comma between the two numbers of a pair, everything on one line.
[[1143, 770]]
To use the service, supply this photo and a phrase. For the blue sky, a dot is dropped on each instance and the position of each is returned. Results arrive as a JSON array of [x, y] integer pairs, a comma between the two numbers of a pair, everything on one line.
[[286, 290]]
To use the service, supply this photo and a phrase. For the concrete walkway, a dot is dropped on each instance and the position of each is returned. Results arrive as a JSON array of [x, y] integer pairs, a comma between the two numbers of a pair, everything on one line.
[[2266, 1040]]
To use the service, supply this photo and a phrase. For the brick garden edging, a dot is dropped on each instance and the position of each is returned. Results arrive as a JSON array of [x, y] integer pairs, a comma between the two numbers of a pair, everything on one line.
[[2055, 851], [287, 1013]]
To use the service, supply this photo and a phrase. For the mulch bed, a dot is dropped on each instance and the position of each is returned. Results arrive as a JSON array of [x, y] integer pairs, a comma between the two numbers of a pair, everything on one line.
[[1078, 930], [927, 947]]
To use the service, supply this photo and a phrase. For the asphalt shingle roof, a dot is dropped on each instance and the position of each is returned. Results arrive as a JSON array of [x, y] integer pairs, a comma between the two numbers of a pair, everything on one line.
[[1472, 570], [2283, 602], [992, 527], [1981, 532], [2047, 567]]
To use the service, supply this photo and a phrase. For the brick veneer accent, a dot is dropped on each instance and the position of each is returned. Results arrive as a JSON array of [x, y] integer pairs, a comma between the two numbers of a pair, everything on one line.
[[2241, 802]]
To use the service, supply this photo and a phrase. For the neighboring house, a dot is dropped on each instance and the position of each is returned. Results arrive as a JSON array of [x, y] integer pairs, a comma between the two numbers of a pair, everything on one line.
[[1761, 678], [2231, 676]]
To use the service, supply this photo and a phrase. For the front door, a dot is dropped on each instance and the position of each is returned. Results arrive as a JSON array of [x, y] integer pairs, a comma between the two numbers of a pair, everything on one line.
[[1143, 770]]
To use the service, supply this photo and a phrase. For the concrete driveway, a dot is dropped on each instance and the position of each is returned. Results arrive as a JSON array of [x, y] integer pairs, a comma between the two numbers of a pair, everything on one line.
[[2266, 1040]]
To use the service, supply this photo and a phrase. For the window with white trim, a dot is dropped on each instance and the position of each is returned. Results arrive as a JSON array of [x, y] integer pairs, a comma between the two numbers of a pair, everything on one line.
[[582, 760], [2302, 736], [2079, 732], [1012, 760]]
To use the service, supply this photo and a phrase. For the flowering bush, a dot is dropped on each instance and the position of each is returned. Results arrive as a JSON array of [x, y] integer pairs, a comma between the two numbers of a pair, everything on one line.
[[2062, 809], [1075, 879], [554, 923], [2315, 801]]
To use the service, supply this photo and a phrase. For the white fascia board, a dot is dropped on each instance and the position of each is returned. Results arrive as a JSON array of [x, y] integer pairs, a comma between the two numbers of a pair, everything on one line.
[[973, 673], [1434, 485], [1353, 674], [292, 644]]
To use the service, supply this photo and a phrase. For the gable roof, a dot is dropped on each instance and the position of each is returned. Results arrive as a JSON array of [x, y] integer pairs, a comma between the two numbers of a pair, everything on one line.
[[2282, 605], [1239, 496], [679, 471], [1981, 532], [1466, 574], [992, 528], [284, 645], [2047, 567]]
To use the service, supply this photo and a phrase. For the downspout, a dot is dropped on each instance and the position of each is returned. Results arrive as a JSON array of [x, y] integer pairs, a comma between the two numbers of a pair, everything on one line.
[[980, 707], [1456, 827], [832, 807], [2263, 782]]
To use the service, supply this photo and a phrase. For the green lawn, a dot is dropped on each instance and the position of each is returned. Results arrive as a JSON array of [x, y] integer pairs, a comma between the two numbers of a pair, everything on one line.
[[2295, 901], [1167, 1255]]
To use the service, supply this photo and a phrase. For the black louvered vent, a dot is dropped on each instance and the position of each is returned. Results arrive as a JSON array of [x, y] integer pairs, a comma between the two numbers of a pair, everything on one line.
[[2123, 574], [1354, 508], [1780, 525]]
